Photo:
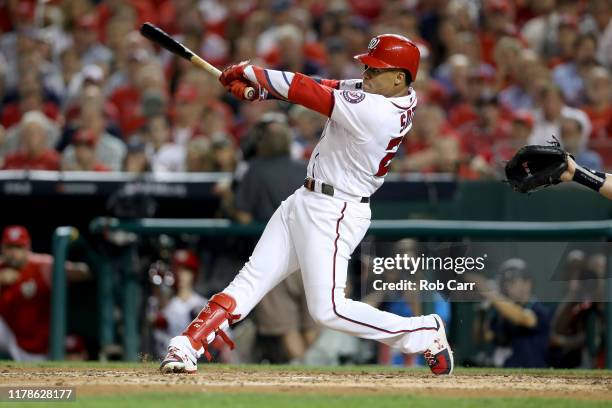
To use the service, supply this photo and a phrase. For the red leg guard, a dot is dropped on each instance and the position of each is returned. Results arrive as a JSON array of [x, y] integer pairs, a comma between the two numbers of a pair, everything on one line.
[[217, 311]]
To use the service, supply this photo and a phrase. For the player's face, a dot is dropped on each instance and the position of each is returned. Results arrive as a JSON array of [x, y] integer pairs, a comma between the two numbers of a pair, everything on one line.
[[381, 81], [185, 278], [14, 256]]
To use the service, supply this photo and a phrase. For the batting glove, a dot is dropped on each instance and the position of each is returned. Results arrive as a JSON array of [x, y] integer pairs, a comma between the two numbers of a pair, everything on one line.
[[233, 73]]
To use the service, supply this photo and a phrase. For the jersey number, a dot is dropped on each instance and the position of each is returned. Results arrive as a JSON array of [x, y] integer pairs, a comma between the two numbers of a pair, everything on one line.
[[383, 167]]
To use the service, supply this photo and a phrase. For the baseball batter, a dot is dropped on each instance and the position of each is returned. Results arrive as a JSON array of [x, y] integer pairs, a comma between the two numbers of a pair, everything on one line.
[[317, 228]]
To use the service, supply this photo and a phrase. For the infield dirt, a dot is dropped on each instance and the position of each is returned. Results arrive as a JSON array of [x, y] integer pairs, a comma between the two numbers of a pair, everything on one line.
[[113, 381]]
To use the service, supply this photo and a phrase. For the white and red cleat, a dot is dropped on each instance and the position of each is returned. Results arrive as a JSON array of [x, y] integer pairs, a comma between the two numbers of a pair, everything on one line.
[[439, 356], [181, 357]]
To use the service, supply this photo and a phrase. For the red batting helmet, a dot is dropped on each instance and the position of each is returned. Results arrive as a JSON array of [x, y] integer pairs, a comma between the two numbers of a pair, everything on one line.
[[392, 51], [16, 235]]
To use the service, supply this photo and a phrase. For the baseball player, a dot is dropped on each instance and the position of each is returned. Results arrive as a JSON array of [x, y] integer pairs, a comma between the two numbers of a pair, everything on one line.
[[25, 293], [317, 228]]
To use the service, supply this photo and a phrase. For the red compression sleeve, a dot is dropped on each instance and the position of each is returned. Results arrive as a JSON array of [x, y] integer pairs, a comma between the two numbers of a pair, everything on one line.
[[307, 92]]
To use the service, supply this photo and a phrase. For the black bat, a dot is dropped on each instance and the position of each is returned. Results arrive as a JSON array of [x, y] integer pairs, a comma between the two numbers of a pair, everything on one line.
[[159, 36]]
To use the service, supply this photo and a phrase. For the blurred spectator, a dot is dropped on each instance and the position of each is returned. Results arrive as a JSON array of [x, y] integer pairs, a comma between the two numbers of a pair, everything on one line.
[[574, 140], [567, 34], [84, 142], [569, 324], [432, 146], [271, 177], [28, 96], [490, 127], [548, 115], [163, 155], [307, 126], [599, 102], [570, 76], [519, 324], [518, 95], [33, 153], [136, 160], [291, 53], [187, 114], [339, 61], [184, 306], [198, 155], [503, 150], [507, 55], [597, 21], [128, 99], [25, 291], [543, 32], [223, 154], [110, 151], [497, 23], [86, 44]]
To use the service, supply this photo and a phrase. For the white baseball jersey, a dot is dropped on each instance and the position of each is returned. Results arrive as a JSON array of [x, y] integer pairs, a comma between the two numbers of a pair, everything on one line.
[[360, 139], [363, 133]]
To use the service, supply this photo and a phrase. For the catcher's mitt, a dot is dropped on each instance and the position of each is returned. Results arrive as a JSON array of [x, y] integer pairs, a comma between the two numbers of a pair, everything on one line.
[[534, 167]]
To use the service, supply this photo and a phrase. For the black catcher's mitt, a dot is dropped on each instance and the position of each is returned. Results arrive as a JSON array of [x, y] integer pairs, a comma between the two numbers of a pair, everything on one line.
[[536, 166]]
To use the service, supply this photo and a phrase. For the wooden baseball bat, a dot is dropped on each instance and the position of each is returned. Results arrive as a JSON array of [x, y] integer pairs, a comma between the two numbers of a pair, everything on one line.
[[159, 36]]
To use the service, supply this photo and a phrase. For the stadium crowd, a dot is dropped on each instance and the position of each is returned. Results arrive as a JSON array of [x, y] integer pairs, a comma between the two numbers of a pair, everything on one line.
[[81, 89]]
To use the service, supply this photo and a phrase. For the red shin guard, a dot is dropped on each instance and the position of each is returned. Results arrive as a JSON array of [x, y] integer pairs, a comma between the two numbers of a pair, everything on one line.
[[218, 310]]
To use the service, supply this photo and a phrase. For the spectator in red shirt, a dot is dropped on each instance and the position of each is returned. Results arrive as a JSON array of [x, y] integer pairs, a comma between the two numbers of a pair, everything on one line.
[[425, 143], [498, 22], [84, 142], [34, 153], [128, 99], [503, 150], [29, 95], [598, 107], [187, 114], [25, 291], [478, 136]]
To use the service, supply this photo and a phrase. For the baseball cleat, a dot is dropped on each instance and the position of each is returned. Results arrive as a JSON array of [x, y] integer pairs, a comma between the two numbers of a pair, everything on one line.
[[439, 355], [180, 358]]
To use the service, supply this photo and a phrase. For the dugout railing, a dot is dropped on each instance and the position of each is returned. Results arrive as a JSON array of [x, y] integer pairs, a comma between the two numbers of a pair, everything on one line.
[[432, 229]]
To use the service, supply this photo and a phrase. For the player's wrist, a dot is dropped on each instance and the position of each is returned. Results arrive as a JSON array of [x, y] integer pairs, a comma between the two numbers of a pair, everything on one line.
[[592, 179]]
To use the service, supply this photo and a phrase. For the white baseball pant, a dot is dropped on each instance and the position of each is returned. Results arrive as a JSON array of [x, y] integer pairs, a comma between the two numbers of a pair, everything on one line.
[[316, 234]]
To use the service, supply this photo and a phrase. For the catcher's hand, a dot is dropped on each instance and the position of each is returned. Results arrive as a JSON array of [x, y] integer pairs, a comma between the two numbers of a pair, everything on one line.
[[534, 167]]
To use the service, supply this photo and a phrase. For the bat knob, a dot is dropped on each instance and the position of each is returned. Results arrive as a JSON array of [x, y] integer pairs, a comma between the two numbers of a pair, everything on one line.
[[249, 93]]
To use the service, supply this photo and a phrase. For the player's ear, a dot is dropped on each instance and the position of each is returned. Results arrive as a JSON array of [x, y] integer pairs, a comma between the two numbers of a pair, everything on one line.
[[399, 78]]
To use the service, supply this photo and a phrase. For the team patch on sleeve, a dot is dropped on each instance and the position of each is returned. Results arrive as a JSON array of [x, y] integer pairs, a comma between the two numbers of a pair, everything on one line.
[[353, 96]]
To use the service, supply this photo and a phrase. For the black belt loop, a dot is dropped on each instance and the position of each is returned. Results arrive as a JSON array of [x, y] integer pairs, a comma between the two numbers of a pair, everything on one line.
[[326, 189]]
